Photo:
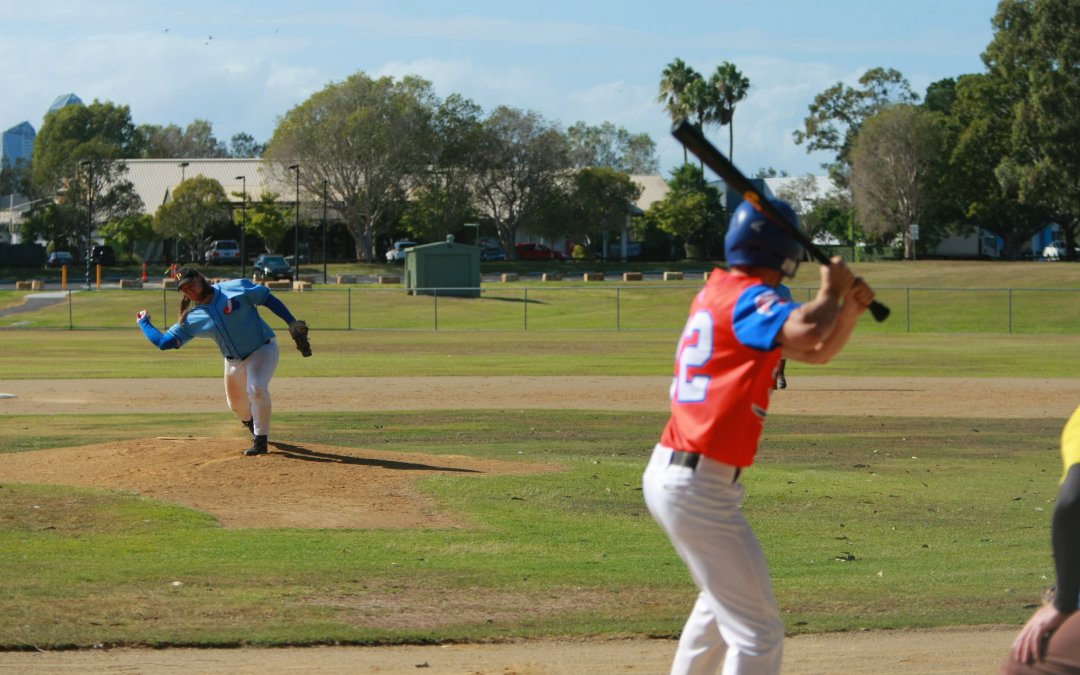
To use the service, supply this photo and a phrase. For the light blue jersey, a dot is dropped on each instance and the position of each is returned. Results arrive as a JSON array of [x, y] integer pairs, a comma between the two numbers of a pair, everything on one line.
[[230, 319]]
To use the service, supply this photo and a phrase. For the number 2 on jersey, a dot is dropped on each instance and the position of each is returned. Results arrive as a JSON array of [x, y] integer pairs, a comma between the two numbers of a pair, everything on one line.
[[695, 350]]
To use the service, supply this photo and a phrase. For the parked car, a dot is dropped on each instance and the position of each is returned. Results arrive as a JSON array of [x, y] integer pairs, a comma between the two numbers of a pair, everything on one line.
[[271, 268], [396, 254], [1056, 250], [490, 253], [223, 252], [103, 255], [60, 259], [532, 251]]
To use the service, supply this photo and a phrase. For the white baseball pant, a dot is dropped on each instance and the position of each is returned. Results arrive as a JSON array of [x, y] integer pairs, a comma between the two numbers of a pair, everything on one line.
[[735, 621], [247, 385]]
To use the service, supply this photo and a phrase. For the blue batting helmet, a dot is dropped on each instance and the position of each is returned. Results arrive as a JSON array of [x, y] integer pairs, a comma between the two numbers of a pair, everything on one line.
[[755, 241]]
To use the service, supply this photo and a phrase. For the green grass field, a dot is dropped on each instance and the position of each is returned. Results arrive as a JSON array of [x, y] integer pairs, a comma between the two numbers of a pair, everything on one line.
[[868, 522]]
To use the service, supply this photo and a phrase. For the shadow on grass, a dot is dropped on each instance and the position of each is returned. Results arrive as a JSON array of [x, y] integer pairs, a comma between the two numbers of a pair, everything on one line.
[[298, 452]]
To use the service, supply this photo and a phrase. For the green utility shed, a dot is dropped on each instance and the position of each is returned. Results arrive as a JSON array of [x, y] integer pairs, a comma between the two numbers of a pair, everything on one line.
[[443, 268]]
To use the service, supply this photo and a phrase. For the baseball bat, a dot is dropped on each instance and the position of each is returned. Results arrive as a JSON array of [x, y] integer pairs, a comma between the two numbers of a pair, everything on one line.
[[694, 141]]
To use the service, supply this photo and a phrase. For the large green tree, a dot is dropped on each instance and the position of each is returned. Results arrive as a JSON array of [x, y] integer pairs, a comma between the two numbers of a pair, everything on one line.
[[367, 138], [893, 164], [128, 231], [1036, 46], [197, 205], [689, 210], [244, 145], [268, 219], [197, 140], [821, 215], [837, 114], [978, 140], [593, 205], [606, 145], [523, 160], [442, 190], [78, 161]]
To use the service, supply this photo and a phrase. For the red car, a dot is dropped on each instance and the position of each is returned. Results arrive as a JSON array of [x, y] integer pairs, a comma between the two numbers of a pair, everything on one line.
[[536, 252]]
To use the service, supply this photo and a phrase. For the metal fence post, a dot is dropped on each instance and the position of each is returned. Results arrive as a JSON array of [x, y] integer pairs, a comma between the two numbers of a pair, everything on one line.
[[526, 304], [907, 295], [1010, 312], [618, 308], [71, 319], [348, 308], [435, 294]]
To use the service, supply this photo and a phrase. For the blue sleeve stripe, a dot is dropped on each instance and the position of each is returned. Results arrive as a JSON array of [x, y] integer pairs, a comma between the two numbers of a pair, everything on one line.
[[759, 315]]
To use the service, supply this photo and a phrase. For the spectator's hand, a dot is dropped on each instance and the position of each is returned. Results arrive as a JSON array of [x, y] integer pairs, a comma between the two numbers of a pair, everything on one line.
[[1030, 644]]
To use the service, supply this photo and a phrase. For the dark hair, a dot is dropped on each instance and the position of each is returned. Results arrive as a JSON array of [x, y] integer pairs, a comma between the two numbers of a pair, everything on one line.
[[183, 276]]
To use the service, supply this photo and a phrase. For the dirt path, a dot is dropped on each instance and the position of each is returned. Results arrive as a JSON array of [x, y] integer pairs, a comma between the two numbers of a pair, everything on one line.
[[205, 473], [887, 397], [959, 651]]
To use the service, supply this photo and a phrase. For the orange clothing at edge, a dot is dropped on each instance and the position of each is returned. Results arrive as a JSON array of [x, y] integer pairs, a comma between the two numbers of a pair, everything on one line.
[[727, 424]]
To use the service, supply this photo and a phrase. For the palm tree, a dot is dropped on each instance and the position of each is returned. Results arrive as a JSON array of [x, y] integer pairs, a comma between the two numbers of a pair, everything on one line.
[[674, 82], [729, 87]]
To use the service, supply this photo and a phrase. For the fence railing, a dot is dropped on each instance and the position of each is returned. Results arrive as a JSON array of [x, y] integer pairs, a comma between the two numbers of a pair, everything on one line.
[[617, 307]]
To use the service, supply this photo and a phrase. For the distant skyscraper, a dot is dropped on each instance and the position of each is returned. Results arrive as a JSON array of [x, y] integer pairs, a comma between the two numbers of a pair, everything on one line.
[[17, 144], [65, 100]]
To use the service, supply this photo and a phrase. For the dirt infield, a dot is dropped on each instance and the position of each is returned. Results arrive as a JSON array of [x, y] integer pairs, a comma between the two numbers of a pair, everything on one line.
[[210, 475], [957, 651], [887, 397]]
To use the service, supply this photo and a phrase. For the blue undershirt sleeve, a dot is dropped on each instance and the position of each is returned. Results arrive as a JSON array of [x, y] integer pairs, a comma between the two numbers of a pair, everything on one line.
[[278, 307], [160, 340]]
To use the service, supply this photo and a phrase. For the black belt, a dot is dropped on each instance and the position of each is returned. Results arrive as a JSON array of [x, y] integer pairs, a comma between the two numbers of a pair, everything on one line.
[[687, 459], [691, 460]]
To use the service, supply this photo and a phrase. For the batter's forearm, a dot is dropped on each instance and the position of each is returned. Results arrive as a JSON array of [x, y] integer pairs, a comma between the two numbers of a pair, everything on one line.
[[838, 338]]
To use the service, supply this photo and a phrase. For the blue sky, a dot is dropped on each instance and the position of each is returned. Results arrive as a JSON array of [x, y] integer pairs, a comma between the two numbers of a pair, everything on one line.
[[242, 65]]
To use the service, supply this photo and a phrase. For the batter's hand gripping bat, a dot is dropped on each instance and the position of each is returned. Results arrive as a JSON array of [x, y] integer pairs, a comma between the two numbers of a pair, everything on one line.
[[695, 142]]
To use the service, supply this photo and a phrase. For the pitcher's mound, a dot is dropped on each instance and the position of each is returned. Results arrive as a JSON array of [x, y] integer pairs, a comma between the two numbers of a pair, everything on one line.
[[309, 486]]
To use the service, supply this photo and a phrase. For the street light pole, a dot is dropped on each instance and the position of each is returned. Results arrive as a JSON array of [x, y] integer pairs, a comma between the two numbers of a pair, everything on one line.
[[296, 245], [89, 214], [176, 242], [243, 231], [324, 230]]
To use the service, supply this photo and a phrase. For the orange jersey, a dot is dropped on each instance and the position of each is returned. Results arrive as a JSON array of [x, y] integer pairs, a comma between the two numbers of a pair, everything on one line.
[[725, 367]]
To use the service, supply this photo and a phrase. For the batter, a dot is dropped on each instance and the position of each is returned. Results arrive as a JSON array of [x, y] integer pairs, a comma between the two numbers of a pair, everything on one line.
[[740, 326], [227, 313]]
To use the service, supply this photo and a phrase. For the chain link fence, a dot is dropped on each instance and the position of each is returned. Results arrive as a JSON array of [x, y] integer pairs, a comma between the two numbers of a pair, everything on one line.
[[611, 306]]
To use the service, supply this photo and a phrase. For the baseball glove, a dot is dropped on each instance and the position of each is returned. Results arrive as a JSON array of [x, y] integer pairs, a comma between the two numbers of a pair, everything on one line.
[[298, 330]]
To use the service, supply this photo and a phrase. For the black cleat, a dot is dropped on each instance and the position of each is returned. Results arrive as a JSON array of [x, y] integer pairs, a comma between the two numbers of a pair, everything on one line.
[[781, 383], [258, 447], [250, 424]]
